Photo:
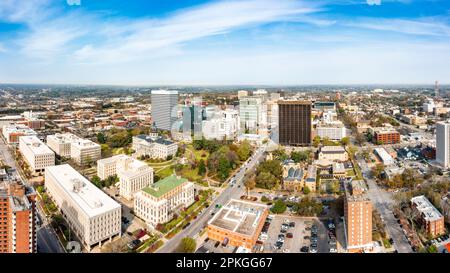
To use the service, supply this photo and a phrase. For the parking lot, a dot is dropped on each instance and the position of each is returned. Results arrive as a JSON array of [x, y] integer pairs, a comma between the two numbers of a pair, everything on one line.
[[295, 236]]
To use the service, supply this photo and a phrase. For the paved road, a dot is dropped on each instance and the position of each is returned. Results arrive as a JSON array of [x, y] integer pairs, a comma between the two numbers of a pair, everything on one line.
[[383, 202], [231, 192]]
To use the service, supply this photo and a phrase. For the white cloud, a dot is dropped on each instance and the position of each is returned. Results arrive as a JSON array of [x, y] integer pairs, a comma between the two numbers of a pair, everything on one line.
[[374, 2], [423, 26], [74, 2], [146, 36]]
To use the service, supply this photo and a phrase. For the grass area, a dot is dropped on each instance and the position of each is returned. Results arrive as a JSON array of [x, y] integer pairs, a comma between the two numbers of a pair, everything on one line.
[[191, 174], [198, 154], [350, 173], [164, 172], [357, 170], [147, 243], [155, 246]]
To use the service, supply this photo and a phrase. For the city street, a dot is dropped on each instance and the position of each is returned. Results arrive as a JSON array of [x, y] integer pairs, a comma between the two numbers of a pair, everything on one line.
[[383, 203], [231, 192], [47, 240]]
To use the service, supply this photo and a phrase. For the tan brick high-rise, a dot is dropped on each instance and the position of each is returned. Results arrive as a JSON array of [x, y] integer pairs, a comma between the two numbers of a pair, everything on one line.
[[358, 218]]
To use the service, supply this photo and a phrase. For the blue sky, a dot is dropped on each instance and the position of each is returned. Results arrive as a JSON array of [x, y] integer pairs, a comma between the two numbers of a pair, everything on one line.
[[183, 42]]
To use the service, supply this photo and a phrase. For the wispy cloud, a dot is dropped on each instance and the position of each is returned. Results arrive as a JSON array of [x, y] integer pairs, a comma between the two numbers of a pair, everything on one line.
[[217, 18], [374, 2], [422, 26]]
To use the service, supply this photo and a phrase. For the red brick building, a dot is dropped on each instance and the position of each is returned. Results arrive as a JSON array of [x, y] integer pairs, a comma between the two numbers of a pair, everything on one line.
[[17, 219], [386, 136]]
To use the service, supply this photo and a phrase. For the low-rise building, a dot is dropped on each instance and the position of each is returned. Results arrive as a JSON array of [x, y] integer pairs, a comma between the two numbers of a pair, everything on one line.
[[154, 147], [311, 178], [385, 135], [68, 145], [84, 151], [430, 217], [339, 170], [293, 176], [333, 131], [384, 156], [238, 223], [333, 153], [157, 203], [12, 132], [133, 174], [37, 155], [92, 215]]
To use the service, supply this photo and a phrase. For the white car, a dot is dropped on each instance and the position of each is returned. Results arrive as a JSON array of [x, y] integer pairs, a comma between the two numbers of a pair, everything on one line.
[[333, 250], [312, 250]]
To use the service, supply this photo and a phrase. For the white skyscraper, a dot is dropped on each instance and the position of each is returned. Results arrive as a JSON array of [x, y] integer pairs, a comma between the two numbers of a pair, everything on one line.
[[443, 143], [164, 103]]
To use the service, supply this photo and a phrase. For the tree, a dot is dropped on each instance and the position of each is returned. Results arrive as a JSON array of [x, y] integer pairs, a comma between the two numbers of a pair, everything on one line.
[[244, 150], [188, 245], [97, 181], [298, 157], [360, 139], [279, 207], [345, 141], [201, 167], [309, 207], [266, 180], [377, 170], [101, 138], [316, 141], [250, 184], [306, 190]]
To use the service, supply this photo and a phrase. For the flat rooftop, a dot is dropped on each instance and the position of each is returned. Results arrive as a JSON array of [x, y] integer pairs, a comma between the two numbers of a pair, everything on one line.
[[164, 186], [429, 212], [152, 139], [332, 149], [83, 193], [239, 216], [36, 145]]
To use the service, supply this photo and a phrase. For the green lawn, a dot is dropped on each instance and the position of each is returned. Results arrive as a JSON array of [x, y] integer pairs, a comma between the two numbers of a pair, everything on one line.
[[165, 172], [350, 173], [198, 154]]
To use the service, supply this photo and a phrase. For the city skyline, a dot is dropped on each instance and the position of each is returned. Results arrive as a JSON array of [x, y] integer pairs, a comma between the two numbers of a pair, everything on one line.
[[224, 42]]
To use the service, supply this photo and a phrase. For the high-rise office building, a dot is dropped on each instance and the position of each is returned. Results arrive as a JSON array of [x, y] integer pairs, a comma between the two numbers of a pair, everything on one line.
[[294, 122], [164, 108], [357, 217], [443, 143], [253, 114], [193, 117], [18, 218]]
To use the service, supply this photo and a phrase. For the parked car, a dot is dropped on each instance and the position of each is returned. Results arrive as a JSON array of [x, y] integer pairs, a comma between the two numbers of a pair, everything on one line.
[[306, 237], [289, 235], [292, 224], [304, 249]]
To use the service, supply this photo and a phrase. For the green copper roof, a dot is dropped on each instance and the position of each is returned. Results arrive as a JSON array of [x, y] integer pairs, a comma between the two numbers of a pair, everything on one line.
[[164, 186]]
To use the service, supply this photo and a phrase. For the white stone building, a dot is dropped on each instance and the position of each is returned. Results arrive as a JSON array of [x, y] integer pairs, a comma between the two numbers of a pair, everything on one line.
[[91, 214], [133, 174], [155, 147], [36, 153], [158, 203], [71, 146]]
